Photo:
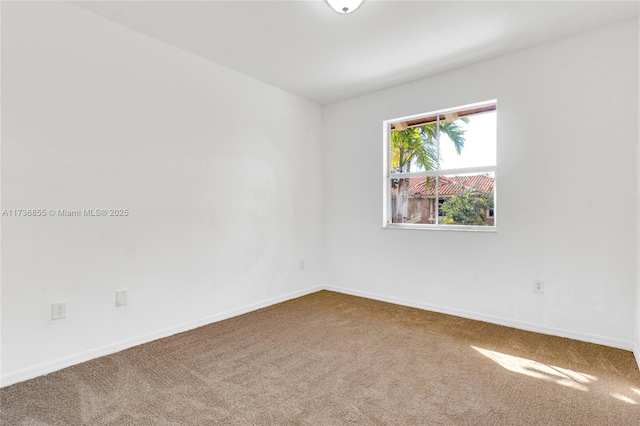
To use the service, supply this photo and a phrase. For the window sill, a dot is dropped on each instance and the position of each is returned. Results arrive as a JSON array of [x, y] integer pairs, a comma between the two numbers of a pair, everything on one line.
[[455, 228]]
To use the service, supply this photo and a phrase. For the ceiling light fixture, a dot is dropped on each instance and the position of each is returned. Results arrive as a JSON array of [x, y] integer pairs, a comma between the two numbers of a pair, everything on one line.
[[344, 6]]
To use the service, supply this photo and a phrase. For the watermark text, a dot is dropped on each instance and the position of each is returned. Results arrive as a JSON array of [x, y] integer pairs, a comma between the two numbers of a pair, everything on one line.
[[65, 212]]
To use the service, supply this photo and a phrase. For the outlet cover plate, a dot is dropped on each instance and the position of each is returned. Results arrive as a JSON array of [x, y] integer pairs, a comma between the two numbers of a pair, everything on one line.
[[58, 310], [538, 286]]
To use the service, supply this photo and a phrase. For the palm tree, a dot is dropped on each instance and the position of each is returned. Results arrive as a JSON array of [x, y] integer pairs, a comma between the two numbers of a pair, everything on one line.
[[419, 146]]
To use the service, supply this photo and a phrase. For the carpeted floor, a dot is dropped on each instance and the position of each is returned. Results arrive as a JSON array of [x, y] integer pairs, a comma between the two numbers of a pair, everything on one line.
[[332, 359]]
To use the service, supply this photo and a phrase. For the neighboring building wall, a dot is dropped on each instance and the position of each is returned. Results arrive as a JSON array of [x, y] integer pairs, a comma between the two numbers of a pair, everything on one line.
[[422, 207]]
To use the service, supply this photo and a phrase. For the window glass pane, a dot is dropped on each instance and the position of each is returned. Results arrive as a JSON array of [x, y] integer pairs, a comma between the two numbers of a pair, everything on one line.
[[413, 200], [436, 144], [413, 149], [467, 199], [468, 141]]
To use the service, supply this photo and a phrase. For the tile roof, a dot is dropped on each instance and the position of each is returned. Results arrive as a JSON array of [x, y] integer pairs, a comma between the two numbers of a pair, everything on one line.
[[450, 185]]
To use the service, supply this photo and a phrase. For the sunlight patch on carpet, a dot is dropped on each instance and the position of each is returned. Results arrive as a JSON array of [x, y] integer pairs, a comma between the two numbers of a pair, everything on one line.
[[623, 398], [531, 368]]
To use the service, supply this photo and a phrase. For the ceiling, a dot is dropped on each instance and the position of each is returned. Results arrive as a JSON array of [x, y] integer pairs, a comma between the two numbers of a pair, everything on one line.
[[306, 48]]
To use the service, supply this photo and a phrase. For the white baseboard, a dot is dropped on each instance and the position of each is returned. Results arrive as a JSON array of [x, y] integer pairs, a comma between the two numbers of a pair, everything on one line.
[[58, 364], [49, 367], [522, 325]]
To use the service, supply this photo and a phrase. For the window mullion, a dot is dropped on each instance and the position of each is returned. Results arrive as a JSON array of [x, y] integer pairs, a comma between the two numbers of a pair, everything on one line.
[[437, 202]]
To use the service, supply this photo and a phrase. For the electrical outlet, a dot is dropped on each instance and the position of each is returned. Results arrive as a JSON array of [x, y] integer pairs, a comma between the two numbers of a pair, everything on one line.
[[58, 310], [538, 286], [121, 297]]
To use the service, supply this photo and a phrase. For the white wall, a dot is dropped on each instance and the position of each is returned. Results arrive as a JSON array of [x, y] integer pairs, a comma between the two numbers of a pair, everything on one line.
[[567, 193], [221, 175], [637, 342]]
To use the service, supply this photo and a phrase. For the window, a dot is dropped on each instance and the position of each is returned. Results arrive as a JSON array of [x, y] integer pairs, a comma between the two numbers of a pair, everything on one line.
[[440, 169]]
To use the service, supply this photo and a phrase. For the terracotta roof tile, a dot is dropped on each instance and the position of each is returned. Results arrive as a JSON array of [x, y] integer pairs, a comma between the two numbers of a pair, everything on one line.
[[451, 185]]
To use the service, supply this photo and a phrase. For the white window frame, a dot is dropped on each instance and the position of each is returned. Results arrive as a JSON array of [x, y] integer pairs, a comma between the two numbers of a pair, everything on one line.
[[387, 176]]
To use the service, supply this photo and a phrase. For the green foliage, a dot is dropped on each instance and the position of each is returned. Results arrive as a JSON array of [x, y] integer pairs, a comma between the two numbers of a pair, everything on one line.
[[418, 145], [413, 146], [468, 208]]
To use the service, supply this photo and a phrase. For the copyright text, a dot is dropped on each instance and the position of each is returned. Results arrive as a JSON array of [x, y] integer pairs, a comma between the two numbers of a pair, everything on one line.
[[65, 212]]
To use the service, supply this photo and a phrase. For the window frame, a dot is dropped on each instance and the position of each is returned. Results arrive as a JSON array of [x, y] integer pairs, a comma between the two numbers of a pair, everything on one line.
[[388, 176]]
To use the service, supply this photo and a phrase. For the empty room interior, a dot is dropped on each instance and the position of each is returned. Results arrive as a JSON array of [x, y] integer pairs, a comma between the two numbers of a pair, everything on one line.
[[213, 213]]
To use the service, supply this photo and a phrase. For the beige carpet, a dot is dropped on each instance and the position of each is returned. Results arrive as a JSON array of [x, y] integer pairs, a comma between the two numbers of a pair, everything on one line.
[[331, 359]]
